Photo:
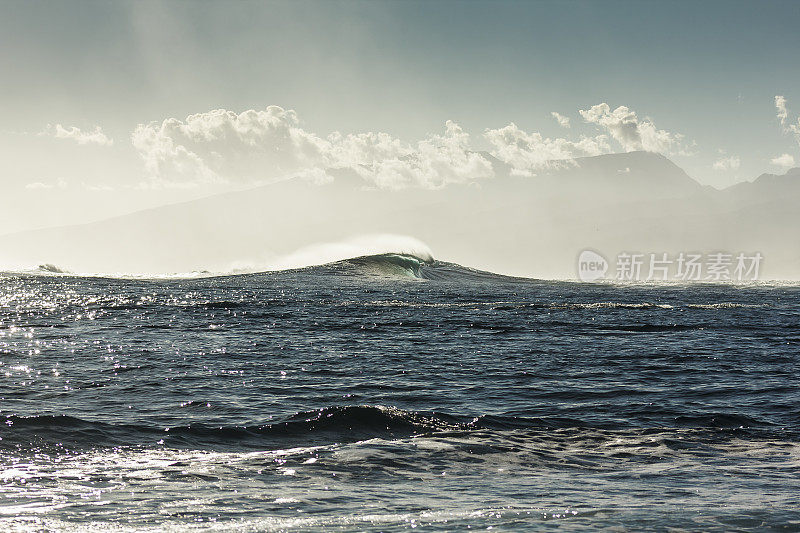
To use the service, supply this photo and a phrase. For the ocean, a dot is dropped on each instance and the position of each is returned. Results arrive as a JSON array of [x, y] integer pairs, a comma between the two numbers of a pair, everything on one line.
[[392, 392]]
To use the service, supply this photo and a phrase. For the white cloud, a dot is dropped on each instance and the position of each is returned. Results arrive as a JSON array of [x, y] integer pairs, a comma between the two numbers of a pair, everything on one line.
[[60, 183], [434, 162], [633, 133], [727, 163], [561, 119], [527, 152], [96, 136], [780, 105], [222, 146], [365, 148], [258, 146], [783, 117], [784, 160]]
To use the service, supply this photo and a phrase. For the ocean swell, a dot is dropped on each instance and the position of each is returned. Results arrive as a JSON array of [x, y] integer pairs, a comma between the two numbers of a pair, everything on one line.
[[334, 424]]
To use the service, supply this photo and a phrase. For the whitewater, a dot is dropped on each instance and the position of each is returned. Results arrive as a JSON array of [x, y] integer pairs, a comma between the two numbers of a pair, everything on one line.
[[393, 390]]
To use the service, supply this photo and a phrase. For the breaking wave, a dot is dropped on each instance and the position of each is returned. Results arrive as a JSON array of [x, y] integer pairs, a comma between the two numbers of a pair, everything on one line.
[[385, 266], [416, 264], [406, 266]]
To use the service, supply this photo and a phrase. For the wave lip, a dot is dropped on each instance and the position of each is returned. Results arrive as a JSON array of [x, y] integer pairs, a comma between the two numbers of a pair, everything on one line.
[[391, 264]]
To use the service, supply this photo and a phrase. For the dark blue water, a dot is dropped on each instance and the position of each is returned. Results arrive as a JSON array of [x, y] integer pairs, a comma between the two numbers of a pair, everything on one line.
[[359, 397]]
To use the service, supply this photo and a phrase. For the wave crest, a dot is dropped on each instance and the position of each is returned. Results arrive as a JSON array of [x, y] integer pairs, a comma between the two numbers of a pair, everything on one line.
[[331, 252], [332, 424]]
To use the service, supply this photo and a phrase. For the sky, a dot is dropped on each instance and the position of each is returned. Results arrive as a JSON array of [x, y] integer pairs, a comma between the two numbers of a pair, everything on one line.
[[110, 107]]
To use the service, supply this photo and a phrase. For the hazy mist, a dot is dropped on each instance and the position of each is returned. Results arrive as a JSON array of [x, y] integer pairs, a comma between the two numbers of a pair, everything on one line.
[[160, 138]]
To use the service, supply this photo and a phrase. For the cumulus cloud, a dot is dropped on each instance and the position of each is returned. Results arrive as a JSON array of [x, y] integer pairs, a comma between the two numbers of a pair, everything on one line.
[[96, 136], [727, 163], [783, 116], [527, 152], [223, 146], [631, 132], [258, 146], [561, 119], [387, 162], [784, 160], [365, 148], [434, 162], [780, 105]]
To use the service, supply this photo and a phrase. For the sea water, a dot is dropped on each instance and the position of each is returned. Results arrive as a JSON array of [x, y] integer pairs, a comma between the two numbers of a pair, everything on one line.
[[390, 393]]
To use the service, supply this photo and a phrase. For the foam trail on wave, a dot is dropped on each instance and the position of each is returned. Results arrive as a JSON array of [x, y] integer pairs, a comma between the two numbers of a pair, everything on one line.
[[325, 253]]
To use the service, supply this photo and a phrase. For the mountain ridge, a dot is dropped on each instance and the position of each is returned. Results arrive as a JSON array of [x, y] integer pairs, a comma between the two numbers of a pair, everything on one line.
[[528, 226]]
